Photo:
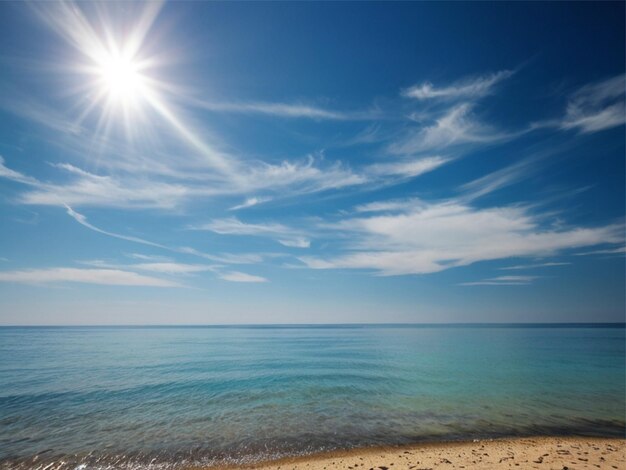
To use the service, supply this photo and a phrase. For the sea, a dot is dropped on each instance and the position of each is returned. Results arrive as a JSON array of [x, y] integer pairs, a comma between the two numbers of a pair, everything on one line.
[[167, 397]]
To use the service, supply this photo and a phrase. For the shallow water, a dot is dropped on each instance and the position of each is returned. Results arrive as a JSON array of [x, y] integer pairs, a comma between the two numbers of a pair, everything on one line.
[[136, 397]]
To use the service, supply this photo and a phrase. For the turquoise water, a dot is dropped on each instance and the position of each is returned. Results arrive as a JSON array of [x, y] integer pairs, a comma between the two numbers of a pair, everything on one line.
[[137, 397]]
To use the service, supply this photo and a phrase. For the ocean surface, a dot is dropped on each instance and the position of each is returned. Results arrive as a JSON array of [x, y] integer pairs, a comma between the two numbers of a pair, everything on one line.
[[165, 397]]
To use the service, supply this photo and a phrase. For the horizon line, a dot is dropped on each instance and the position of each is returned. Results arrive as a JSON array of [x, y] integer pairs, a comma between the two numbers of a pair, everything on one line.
[[344, 324]]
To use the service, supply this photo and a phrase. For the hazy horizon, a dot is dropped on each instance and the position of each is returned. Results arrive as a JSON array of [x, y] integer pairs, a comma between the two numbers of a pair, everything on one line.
[[314, 325]]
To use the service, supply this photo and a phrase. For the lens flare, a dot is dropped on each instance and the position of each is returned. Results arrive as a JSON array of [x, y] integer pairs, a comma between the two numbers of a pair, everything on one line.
[[121, 78]]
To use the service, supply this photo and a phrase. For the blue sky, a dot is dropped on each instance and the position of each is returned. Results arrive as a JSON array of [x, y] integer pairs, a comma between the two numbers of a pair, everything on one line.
[[311, 163]]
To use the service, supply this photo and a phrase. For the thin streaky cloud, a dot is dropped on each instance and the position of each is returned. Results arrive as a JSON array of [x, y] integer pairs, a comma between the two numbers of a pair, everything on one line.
[[149, 258], [285, 110], [597, 107], [245, 258], [250, 202], [111, 277], [236, 276], [457, 126], [499, 179], [169, 267], [25, 107], [227, 258], [16, 175], [408, 168], [173, 268], [395, 205], [534, 266], [503, 281], [535, 161], [467, 88], [592, 108], [81, 219], [283, 234], [611, 251]]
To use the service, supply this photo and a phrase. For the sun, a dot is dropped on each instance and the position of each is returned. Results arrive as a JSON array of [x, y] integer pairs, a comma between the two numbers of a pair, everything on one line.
[[120, 78]]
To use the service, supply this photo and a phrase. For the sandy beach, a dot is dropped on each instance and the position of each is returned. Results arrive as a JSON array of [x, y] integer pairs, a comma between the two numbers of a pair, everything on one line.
[[553, 453]]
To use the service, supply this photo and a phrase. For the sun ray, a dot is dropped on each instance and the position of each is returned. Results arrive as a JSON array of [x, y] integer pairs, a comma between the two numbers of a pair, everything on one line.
[[120, 80]]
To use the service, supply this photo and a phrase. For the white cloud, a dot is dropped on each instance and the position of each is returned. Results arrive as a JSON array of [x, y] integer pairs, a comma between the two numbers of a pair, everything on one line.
[[279, 232], [173, 268], [251, 201], [456, 127], [15, 175], [236, 276], [534, 266], [286, 110], [112, 277], [597, 107], [26, 107], [303, 176], [393, 205], [407, 169], [503, 281], [81, 219], [295, 242], [169, 267], [431, 237], [610, 251], [150, 258], [227, 258], [95, 190], [501, 178], [164, 187], [467, 88]]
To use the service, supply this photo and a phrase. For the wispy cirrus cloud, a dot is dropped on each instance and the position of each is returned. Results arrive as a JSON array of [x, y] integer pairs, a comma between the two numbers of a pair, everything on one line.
[[475, 87], [457, 126], [393, 205], [503, 281], [597, 106], [149, 258], [226, 258], [304, 176], [96, 190], [110, 277], [250, 202], [407, 168], [164, 267], [619, 251], [592, 108], [284, 110], [422, 237], [236, 276], [81, 219], [502, 177], [26, 107], [162, 188], [548, 264], [178, 269], [283, 234], [15, 175]]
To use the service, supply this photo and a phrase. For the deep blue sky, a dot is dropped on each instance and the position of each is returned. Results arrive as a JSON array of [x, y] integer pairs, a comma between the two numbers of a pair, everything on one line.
[[311, 162]]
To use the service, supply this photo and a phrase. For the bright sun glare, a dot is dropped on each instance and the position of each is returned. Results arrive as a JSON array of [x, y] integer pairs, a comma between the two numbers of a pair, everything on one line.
[[121, 78]]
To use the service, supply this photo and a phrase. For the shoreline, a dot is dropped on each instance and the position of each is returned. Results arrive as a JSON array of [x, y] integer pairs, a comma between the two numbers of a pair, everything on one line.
[[561, 452]]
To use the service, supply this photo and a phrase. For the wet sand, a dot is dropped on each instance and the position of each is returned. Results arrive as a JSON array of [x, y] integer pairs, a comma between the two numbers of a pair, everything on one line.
[[525, 453]]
